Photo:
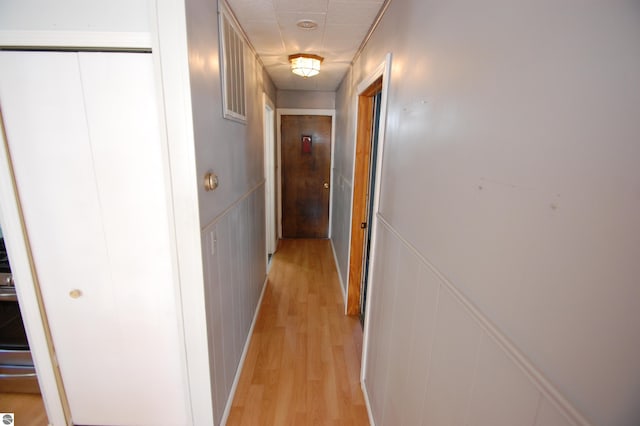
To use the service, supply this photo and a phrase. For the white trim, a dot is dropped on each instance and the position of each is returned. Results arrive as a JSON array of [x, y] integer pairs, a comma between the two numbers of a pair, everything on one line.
[[27, 290], [171, 64], [245, 350], [383, 70], [537, 378], [296, 111], [367, 403], [77, 39]]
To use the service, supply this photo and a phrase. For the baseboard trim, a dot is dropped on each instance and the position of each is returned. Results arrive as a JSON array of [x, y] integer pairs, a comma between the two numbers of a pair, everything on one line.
[[236, 379], [363, 385]]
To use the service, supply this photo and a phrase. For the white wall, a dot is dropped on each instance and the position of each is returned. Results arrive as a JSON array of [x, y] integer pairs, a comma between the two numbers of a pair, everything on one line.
[[510, 170], [305, 99], [232, 218], [75, 15]]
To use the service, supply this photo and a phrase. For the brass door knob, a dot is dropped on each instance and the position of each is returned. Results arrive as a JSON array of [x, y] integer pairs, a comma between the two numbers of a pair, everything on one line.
[[210, 182], [326, 185]]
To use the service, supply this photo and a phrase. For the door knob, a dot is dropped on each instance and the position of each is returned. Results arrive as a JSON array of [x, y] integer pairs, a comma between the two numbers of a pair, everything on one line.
[[326, 185], [210, 182]]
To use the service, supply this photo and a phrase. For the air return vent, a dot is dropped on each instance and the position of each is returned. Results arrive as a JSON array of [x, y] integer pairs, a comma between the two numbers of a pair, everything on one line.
[[232, 58]]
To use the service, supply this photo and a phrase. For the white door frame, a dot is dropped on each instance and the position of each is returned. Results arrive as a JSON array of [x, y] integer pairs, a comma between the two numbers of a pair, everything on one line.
[[269, 173], [383, 70], [296, 111]]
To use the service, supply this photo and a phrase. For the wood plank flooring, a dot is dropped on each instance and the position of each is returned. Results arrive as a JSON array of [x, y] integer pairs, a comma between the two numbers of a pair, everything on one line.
[[28, 409], [303, 362]]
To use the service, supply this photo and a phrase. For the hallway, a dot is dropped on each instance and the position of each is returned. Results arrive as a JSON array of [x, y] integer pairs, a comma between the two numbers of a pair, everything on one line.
[[303, 362]]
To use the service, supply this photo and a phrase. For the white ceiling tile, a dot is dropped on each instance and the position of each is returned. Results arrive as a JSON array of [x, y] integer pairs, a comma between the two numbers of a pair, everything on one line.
[[305, 43], [343, 38], [297, 39], [359, 14], [265, 37], [378, 2], [253, 9], [301, 5]]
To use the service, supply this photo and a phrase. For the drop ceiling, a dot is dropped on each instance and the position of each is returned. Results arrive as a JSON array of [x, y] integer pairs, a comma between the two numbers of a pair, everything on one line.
[[271, 26]]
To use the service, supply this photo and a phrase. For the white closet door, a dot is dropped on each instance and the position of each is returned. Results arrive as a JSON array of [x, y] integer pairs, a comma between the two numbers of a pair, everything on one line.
[[83, 137]]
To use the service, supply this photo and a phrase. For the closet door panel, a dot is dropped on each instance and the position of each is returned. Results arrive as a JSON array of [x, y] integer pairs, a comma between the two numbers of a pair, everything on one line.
[[82, 132], [122, 118]]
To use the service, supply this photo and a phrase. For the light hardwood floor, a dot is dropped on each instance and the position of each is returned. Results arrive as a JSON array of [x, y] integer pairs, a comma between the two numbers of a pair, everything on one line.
[[27, 408], [303, 362]]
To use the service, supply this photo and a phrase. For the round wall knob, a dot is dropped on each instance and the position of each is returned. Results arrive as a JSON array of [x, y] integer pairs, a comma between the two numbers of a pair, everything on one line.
[[326, 185], [75, 293], [210, 182]]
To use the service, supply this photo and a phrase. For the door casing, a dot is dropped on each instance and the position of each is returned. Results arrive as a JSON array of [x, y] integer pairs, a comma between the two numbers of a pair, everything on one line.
[[378, 81], [360, 197], [382, 71]]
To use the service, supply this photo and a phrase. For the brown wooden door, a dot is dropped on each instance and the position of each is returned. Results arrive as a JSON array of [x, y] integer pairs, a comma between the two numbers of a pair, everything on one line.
[[306, 172]]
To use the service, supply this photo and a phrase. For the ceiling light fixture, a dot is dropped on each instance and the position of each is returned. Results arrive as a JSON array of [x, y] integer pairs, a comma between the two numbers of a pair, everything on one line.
[[305, 64]]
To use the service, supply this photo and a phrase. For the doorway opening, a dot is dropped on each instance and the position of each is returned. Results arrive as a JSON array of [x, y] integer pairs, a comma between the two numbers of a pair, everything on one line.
[[363, 191], [270, 177], [370, 122]]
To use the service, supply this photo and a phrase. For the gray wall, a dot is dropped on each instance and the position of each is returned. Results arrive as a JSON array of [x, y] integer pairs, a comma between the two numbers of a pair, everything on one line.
[[232, 217], [509, 212], [305, 99]]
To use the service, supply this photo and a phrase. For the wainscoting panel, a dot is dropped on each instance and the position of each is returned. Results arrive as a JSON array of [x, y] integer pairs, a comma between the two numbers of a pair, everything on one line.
[[341, 226], [432, 360], [235, 271], [548, 415], [452, 364], [498, 380]]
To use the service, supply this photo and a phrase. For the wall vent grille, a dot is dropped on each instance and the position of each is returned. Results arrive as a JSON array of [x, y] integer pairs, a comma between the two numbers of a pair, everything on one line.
[[232, 57]]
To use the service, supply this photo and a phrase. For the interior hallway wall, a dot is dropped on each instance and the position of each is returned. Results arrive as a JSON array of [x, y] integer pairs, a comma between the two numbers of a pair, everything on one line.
[[510, 198], [343, 176], [232, 217], [306, 99]]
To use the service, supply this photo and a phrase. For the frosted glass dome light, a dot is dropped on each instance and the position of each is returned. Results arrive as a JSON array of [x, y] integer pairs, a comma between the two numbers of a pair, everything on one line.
[[305, 65]]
